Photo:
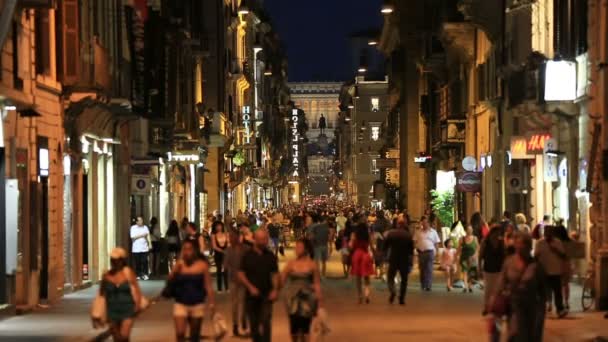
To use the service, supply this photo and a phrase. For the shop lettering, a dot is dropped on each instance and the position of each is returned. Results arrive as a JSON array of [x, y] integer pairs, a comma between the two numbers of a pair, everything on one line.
[[295, 147], [536, 143], [247, 124]]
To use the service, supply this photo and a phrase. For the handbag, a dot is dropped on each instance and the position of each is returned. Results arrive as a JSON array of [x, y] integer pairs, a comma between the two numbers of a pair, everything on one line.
[[220, 327], [303, 303], [501, 306], [99, 311], [169, 289]]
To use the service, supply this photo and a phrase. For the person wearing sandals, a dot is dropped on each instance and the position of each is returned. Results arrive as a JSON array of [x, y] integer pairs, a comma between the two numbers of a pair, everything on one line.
[[302, 280], [121, 291], [190, 286]]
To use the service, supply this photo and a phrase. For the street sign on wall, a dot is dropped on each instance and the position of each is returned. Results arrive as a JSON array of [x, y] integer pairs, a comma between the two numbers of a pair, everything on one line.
[[469, 163], [140, 185], [468, 181]]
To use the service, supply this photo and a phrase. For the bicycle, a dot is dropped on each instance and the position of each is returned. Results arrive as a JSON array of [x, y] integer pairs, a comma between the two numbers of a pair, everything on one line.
[[588, 293]]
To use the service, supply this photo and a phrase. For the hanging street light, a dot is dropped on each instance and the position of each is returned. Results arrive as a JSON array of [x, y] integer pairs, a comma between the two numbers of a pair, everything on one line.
[[387, 7]]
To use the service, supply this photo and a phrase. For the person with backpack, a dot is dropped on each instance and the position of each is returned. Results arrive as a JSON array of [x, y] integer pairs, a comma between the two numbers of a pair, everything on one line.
[[491, 257]]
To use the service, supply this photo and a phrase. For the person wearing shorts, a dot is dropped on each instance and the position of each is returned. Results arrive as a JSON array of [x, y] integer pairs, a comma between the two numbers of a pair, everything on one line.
[[190, 284]]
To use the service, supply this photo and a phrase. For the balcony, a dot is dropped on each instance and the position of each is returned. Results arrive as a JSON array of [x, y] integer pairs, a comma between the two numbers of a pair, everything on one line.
[[160, 135], [93, 69], [217, 130], [459, 38], [485, 15]]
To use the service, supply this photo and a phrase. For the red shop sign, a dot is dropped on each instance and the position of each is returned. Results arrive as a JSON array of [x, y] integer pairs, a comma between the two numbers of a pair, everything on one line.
[[468, 181]]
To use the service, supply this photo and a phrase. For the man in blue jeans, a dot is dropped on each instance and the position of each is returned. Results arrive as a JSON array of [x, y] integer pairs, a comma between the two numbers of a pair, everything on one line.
[[426, 244]]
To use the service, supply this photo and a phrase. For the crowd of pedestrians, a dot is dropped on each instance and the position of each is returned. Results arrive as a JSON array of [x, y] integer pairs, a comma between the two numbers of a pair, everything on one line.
[[524, 272]]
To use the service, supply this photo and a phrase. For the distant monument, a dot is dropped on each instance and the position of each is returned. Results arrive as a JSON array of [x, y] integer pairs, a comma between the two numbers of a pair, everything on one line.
[[322, 124]]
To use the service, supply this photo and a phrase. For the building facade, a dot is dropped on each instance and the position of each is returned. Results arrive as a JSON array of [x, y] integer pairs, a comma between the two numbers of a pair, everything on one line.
[[320, 103]]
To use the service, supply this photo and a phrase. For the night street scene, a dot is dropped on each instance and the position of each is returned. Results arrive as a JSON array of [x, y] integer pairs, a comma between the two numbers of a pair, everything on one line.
[[306, 171]]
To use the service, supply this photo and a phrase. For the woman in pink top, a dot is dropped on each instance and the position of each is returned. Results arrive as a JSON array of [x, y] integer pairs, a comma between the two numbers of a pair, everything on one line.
[[448, 262]]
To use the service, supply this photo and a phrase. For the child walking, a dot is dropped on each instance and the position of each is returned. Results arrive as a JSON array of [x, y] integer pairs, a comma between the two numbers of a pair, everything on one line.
[[448, 262]]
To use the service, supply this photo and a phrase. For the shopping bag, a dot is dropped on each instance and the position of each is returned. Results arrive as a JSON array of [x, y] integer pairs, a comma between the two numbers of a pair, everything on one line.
[[220, 327], [98, 311], [320, 326]]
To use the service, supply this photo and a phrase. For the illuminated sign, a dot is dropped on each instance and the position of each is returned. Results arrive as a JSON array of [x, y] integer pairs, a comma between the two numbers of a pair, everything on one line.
[[295, 143], [560, 81], [182, 157], [468, 181], [247, 123], [375, 133], [526, 148], [422, 158]]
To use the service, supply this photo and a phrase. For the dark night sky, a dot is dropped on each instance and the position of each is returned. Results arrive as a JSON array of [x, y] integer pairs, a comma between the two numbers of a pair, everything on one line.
[[315, 33]]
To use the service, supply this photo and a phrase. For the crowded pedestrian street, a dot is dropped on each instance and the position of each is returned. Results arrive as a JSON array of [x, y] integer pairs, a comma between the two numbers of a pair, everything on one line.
[[304, 171], [435, 316]]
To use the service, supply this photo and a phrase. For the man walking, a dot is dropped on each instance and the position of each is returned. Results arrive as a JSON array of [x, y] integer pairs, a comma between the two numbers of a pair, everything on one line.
[[319, 233], [550, 252], [426, 245], [400, 248], [140, 247], [259, 273], [232, 262]]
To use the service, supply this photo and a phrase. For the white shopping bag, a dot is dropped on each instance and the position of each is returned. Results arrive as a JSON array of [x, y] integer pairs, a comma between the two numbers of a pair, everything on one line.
[[320, 326], [220, 327]]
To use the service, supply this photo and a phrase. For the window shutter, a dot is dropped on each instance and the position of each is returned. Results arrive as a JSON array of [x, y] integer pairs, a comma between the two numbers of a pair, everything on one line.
[[71, 46]]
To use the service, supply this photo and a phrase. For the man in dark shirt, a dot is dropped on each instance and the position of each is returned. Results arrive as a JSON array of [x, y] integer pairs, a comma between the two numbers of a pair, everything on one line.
[[319, 234], [400, 247], [259, 273]]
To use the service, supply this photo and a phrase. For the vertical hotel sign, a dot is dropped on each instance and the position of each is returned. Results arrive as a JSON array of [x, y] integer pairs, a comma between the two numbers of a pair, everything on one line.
[[295, 144], [247, 124], [137, 14]]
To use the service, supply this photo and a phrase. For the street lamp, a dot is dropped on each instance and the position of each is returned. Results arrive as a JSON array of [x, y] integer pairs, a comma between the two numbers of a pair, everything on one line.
[[268, 71], [387, 7], [372, 42]]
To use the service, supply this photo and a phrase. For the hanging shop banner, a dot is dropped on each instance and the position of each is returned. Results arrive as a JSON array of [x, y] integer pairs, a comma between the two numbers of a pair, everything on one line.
[[550, 161], [136, 14], [468, 181], [140, 185]]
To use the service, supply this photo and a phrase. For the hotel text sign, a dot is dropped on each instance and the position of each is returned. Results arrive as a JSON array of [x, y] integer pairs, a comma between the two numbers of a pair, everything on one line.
[[247, 123], [295, 144]]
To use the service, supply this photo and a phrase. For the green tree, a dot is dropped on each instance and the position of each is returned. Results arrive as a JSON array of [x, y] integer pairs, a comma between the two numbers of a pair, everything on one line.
[[443, 205]]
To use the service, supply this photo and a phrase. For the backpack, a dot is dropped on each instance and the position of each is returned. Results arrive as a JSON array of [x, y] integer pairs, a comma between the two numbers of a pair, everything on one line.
[[536, 232]]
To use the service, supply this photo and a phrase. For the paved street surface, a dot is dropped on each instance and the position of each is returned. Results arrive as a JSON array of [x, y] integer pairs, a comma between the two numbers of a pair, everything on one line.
[[435, 316]]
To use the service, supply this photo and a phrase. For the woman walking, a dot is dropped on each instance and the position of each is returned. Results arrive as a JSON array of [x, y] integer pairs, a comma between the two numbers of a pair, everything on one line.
[[361, 262], [219, 243], [172, 237], [121, 291], [303, 282], [467, 251], [155, 237], [520, 294], [190, 285]]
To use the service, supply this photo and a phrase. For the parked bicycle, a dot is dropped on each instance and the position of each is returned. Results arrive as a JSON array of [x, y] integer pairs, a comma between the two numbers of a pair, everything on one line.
[[588, 294]]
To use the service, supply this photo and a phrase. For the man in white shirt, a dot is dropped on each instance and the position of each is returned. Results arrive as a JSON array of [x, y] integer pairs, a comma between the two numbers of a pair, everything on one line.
[[426, 244], [140, 247], [341, 221]]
